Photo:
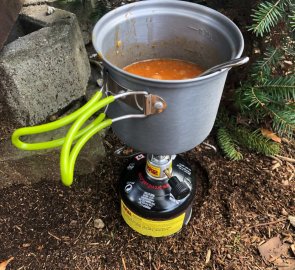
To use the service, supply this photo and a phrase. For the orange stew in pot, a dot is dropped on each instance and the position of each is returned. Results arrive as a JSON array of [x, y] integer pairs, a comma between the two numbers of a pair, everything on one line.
[[164, 69]]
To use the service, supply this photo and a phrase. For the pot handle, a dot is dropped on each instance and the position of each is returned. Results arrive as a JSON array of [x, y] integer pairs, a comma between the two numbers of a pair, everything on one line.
[[69, 155], [153, 104]]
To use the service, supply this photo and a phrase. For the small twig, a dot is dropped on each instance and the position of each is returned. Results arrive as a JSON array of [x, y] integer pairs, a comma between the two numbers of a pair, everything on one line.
[[257, 266], [78, 237], [275, 166], [293, 169], [195, 230], [266, 223], [292, 160], [88, 263], [108, 144], [154, 266], [291, 166], [57, 238], [277, 159], [124, 264], [88, 221], [211, 146]]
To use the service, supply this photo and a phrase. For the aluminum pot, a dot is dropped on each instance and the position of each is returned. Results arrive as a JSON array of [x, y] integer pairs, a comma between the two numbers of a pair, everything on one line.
[[167, 29]]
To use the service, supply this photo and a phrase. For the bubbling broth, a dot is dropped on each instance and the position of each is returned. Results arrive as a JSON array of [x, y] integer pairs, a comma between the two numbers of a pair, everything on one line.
[[164, 69]]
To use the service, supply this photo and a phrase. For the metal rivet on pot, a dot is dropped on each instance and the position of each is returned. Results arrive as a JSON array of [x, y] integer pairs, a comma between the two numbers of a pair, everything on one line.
[[159, 105]]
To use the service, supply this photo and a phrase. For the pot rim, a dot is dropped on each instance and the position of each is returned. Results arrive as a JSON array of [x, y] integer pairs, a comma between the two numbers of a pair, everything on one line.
[[180, 3]]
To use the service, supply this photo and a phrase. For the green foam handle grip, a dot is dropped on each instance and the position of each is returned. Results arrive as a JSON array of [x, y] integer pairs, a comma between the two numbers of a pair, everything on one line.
[[75, 134], [53, 126], [68, 157]]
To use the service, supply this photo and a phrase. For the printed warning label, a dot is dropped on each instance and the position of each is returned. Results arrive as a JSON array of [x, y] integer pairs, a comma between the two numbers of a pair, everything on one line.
[[151, 227], [147, 200]]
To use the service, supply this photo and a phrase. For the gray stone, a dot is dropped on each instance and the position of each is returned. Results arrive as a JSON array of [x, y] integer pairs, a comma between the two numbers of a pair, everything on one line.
[[98, 224], [34, 2], [37, 14], [43, 71]]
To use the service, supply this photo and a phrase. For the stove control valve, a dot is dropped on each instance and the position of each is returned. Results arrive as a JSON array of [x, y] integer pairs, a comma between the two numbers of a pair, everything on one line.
[[178, 189]]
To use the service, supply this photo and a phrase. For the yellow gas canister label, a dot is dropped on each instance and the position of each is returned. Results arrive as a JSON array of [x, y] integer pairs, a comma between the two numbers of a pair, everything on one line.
[[153, 170], [151, 227]]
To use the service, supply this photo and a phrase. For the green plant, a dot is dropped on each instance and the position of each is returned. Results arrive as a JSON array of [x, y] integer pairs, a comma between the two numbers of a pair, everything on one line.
[[268, 14], [233, 136], [267, 98]]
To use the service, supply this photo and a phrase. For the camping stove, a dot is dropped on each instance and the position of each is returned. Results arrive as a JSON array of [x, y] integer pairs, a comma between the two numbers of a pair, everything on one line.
[[163, 117], [156, 194]]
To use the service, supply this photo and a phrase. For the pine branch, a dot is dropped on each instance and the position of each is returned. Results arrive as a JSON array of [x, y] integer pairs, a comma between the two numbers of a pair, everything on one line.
[[292, 16], [263, 67], [256, 141], [255, 98], [292, 21], [279, 89], [266, 16], [284, 120], [258, 105], [228, 145]]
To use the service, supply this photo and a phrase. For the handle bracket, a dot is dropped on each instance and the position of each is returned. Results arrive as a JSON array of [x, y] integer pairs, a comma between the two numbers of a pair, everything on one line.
[[154, 104]]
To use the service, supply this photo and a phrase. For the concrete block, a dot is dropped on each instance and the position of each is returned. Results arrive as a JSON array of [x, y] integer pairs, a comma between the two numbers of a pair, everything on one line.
[[44, 71], [34, 2], [27, 167]]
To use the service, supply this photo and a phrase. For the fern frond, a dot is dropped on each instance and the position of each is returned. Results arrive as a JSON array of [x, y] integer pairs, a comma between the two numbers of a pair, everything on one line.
[[227, 144], [266, 16]]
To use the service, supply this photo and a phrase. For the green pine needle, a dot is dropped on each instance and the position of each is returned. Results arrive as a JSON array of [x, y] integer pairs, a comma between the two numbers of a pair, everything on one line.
[[266, 16], [291, 17], [279, 89], [255, 99], [284, 120], [264, 98], [262, 68], [228, 145], [256, 141]]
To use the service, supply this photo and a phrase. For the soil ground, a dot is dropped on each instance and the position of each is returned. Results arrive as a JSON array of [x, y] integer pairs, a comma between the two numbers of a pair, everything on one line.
[[238, 205]]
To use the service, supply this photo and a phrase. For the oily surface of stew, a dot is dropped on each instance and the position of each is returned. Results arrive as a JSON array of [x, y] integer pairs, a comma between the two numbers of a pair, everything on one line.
[[164, 69]]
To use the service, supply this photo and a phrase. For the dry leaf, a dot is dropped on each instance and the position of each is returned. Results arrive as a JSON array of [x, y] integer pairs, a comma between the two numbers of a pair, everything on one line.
[[5, 263], [275, 252], [269, 250], [268, 134]]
